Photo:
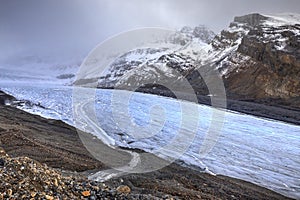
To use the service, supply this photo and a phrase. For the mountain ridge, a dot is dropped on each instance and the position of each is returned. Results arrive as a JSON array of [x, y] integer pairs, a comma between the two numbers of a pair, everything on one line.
[[257, 56]]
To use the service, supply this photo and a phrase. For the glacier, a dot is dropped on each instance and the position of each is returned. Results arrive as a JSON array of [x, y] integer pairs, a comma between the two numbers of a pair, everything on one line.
[[262, 151]]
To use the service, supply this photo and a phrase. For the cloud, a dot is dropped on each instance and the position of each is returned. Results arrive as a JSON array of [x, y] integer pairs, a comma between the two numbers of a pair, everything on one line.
[[75, 26]]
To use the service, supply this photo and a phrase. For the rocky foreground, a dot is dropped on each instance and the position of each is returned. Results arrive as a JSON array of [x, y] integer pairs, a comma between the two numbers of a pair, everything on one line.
[[24, 178], [46, 160]]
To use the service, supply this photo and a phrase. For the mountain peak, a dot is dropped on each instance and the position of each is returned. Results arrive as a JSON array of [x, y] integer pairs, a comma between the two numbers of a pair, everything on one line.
[[187, 34], [253, 19], [256, 19]]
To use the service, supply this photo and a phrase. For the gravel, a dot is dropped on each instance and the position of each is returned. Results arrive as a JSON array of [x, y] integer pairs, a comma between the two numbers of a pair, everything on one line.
[[24, 178]]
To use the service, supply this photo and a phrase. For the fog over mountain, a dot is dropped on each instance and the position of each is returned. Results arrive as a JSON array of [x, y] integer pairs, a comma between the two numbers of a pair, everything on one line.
[[71, 28]]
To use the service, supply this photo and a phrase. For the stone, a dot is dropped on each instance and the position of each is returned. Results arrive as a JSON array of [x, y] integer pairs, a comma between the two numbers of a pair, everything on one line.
[[123, 189], [86, 193], [2, 162], [9, 192], [33, 194], [48, 197], [55, 183]]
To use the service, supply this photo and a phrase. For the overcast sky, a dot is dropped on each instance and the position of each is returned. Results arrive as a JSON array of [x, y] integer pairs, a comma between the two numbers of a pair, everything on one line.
[[74, 27]]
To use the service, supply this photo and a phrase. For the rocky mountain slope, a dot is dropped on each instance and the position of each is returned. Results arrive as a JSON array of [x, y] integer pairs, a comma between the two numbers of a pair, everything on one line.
[[266, 63], [257, 56], [156, 65]]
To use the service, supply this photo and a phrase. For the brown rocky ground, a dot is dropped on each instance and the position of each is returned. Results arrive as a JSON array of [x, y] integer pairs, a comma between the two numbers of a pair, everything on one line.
[[56, 144], [48, 141], [24, 178], [185, 183]]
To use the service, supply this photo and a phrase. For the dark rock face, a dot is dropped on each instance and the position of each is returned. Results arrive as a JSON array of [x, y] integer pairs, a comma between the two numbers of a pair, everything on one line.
[[269, 64], [280, 70], [264, 50]]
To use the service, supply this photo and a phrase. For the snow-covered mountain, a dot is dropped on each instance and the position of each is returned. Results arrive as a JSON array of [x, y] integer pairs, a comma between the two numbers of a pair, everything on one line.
[[179, 56], [257, 56]]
